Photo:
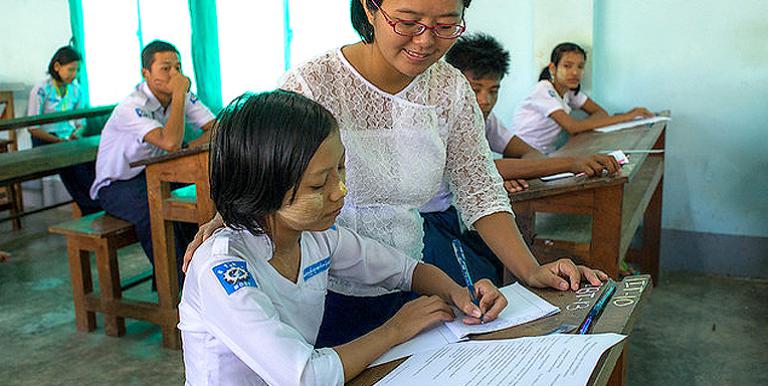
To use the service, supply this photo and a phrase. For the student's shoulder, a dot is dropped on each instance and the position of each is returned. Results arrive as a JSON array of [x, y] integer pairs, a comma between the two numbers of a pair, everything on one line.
[[228, 255], [41, 89], [328, 239]]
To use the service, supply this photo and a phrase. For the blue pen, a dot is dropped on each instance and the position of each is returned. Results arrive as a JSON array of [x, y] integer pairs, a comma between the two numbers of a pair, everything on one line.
[[598, 307], [459, 252]]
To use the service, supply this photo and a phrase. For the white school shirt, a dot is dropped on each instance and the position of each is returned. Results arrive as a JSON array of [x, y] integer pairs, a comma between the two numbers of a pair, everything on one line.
[[242, 323], [122, 140], [399, 147], [44, 99], [498, 136], [532, 122]]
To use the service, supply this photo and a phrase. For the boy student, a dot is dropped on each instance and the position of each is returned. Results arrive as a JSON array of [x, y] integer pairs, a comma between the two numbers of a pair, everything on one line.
[[484, 62], [148, 123]]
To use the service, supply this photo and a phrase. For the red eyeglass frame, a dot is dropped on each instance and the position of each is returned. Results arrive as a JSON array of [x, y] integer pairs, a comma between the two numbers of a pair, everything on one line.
[[392, 23]]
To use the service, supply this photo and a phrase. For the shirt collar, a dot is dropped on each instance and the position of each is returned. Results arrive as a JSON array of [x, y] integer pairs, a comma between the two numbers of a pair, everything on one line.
[[152, 102]]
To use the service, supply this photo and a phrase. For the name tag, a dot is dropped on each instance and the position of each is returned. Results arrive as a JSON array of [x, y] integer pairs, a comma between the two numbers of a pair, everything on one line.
[[317, 268]]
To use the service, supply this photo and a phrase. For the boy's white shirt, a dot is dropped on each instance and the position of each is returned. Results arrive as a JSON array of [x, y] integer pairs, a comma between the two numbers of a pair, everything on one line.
[[265, 329], [532, 122], [122, 140]]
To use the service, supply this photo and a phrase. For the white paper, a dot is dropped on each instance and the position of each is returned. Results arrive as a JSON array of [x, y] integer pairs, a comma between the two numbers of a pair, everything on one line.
[[557, 176], [544, 360], [434, 338], [523, 306], [634, 123]]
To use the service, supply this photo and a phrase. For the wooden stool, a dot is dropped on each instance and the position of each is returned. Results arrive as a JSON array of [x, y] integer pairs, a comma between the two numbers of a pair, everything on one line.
[[103, 235]]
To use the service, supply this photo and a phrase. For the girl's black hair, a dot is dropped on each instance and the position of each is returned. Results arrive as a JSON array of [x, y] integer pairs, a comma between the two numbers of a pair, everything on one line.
[[260, 147], [64, 55], [480, 54], [557, 54], [360, 20]]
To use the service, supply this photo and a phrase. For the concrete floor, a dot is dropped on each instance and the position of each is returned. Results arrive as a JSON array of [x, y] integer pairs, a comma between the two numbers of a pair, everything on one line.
[[694, 330]]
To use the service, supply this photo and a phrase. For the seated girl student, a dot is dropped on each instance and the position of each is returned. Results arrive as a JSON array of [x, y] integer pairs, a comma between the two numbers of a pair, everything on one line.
[[254, 296], [545, 112], [60, 93]]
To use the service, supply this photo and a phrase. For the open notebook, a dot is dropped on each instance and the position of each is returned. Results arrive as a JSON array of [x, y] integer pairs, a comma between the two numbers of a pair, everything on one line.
[[524, 306]]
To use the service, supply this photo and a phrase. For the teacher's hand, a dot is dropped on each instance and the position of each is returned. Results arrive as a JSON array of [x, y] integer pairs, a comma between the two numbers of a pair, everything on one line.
[[563, 274]]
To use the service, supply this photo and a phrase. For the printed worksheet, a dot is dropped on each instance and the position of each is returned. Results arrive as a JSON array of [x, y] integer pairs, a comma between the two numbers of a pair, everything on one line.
[[544, 360], [634, 123]]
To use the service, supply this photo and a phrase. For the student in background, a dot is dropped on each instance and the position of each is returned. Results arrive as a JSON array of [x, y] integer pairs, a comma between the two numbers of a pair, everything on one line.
[[60, 93], [544, 114], [484, 62], [251, 309], [148, 123]]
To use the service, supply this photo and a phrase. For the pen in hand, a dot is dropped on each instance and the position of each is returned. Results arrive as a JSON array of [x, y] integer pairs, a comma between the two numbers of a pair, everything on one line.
[[458, 251]]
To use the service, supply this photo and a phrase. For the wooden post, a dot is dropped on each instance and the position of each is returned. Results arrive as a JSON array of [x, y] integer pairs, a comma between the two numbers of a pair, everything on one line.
[[606, 230], [109, 286]]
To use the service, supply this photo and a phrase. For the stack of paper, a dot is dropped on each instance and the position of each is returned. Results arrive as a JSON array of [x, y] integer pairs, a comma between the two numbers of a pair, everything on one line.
[[634, 123], [543, 360], [523, 306]]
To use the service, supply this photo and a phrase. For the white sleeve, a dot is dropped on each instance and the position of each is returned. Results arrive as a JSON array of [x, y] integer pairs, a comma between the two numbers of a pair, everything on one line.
[[545, 100], [196, 112], [578, 100], [36, 101], [472, 175], [246, 321], [366, 261], [497, 133], [132, 119]]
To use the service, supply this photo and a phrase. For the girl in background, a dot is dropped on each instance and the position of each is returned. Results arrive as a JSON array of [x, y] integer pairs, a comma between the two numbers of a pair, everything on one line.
[[60, 93], [544, 114]]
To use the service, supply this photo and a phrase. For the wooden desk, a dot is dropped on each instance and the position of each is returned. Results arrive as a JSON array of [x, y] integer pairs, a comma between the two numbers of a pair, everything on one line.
[[619, 317], [185, 166], [36, 120], [617, 205], [46, 160]]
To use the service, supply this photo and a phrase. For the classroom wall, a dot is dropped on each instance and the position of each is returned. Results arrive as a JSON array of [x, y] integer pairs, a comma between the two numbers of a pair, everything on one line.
[[706, 61], [30, 33]]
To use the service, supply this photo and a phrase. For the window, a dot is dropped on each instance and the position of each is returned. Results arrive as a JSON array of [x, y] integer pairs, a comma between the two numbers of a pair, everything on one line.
[[114, 35]]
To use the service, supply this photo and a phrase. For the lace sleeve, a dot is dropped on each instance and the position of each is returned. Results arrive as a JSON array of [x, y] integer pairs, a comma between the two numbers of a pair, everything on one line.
[[293, 81], [471, 174]]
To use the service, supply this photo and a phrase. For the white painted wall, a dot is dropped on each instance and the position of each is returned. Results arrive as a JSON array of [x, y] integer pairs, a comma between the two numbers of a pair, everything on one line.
[[31, 31], [708, 63]]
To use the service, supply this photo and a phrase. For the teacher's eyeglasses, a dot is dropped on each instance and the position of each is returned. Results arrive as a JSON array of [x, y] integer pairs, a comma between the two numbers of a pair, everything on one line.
[[414, 28]]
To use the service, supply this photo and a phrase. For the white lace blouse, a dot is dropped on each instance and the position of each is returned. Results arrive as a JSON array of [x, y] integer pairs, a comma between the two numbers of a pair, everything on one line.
[[400, 147]]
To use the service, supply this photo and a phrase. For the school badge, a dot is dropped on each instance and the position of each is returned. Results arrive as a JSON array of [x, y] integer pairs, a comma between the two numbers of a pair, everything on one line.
[[233, 275]]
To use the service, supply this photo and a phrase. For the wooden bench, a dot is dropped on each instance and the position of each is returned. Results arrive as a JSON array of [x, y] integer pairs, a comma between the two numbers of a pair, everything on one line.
[[103, 235]]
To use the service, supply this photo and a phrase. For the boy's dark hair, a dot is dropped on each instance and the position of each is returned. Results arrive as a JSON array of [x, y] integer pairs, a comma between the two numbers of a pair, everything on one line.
[[480, 54], [260, 147], [64, 55], [149, 51], [360, 20], [557, 54]]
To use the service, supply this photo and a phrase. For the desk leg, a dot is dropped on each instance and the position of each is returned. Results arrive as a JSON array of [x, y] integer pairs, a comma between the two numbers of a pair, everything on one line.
[[606, 230], [619, 374], [165, 260], [649, 254], [82, 285]]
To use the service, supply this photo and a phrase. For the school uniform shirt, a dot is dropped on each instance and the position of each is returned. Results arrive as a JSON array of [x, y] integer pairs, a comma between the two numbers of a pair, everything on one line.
[[122, 140], [532, 122], [498, 136], [399, 147], [243, 323], [45, 98]]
